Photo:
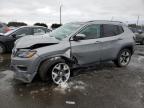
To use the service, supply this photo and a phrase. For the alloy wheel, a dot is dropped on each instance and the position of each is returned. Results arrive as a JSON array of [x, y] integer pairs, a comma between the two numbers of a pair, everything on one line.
[[124, 58], [60, 73]]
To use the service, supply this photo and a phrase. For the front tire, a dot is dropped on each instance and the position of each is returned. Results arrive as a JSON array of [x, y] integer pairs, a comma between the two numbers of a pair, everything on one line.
[[123, 58], [57, 71]]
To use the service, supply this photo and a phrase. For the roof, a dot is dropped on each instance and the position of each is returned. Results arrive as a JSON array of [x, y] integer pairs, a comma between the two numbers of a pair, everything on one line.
[[33, 26], [101, 22], [106, 21]]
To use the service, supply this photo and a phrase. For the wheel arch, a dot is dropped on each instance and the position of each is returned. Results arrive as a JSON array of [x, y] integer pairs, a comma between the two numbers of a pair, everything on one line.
[[54, 58], [129, 47]]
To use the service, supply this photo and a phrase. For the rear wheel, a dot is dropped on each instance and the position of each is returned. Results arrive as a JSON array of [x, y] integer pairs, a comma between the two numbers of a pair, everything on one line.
[[2, 48], [123, 58]]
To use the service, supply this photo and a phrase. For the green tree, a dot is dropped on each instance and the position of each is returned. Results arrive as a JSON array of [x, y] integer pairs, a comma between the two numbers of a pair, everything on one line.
[[54, 26], [16, 24], [40, 24]]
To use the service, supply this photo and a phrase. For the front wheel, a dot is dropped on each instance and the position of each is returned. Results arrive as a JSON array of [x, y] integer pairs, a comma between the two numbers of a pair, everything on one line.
[[123, 58], [57, 71], [60, 73]]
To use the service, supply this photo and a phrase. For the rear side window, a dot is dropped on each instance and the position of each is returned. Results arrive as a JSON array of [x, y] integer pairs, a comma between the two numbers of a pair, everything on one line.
[[109, 30]]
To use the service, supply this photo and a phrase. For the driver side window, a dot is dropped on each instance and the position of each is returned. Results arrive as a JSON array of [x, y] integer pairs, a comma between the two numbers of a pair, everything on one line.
[[91, 31]]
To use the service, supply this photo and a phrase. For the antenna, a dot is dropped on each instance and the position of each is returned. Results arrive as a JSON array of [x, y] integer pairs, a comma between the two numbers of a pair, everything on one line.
[[137, 20]]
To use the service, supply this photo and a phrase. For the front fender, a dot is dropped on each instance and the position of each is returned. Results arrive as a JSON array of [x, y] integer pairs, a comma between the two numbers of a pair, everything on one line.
[[51, 59]]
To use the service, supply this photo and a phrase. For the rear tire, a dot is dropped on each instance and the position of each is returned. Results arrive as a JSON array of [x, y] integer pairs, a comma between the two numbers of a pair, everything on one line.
[[2, 48], [123, 58]]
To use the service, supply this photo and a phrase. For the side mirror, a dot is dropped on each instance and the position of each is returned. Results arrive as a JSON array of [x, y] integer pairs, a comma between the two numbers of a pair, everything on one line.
[[14, 35], [79, 37]]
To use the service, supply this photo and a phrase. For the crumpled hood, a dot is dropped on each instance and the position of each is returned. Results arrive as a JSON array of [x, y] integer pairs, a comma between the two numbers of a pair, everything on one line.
[[29, 41]]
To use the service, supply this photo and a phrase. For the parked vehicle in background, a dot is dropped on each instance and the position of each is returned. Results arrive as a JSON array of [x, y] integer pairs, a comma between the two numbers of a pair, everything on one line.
[[4, 28], [139, 35], [73, 45], [7, 40]]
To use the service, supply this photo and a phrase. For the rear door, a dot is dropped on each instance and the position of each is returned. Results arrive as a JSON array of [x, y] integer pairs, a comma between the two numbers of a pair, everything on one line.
[[110, 41]]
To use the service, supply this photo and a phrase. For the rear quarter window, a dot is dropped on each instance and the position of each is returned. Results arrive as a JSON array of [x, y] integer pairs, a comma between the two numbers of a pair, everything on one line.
[[109, 30]]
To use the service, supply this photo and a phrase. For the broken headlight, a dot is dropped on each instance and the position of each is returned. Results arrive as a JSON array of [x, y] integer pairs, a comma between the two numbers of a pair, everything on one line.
[[26, 53]]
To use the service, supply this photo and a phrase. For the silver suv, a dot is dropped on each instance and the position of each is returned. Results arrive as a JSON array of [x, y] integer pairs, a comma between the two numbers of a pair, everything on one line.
[[74, 45]]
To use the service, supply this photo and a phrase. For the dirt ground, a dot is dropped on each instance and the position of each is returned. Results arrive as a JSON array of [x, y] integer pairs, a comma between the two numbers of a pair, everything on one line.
[[100, 86]]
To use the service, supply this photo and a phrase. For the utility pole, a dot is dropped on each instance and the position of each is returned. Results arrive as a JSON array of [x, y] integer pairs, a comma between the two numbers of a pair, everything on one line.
[[112, 18], [61, 14], [137, 20]]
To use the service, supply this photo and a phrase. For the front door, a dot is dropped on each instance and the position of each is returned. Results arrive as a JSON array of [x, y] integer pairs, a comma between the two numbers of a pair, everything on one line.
[[88, 50]]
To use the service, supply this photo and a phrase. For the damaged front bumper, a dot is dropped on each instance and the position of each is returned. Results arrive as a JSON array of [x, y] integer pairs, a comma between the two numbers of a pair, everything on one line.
[[24, 69]]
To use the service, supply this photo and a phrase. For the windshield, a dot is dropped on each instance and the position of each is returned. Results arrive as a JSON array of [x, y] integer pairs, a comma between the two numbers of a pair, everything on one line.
[[65, 30]]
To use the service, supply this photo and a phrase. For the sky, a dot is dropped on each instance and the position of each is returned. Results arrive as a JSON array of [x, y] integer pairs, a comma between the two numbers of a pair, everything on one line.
[[47, 11]]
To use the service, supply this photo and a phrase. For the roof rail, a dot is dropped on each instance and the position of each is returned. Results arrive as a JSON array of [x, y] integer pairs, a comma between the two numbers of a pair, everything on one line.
[[117, 21], [105, 20]]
